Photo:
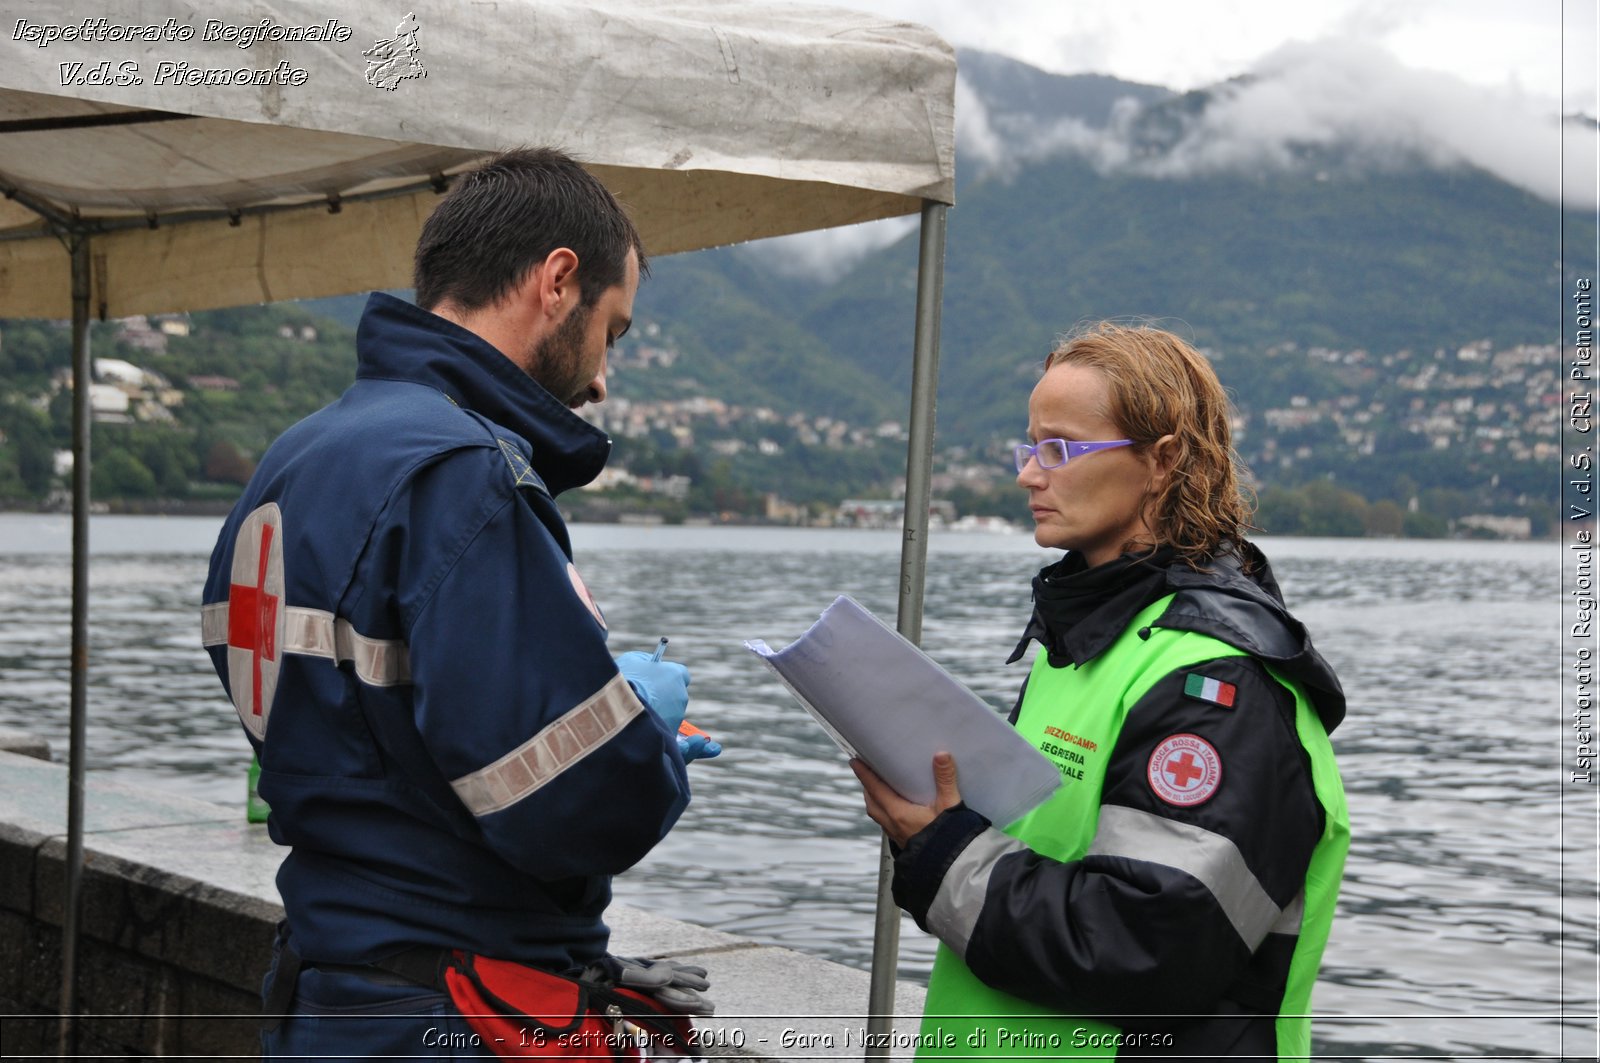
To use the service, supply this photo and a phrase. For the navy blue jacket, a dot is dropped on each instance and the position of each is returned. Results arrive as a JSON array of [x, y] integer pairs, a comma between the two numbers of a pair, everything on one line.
[[445, 741]]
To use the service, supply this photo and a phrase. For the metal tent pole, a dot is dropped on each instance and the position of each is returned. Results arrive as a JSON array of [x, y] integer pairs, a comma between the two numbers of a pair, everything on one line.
[[913, 573], [81, 373]]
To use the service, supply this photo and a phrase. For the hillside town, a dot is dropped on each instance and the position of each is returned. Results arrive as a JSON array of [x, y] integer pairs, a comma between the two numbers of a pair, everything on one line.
[[1474, 402], [1490, 401]]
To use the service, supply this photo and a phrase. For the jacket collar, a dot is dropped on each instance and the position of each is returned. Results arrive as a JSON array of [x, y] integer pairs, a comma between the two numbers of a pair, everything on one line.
[[1234, 599], [1079, 611], [400, 341]]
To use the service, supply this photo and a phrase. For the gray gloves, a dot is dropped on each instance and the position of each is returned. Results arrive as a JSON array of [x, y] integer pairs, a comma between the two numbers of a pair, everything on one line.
[[675, 986]]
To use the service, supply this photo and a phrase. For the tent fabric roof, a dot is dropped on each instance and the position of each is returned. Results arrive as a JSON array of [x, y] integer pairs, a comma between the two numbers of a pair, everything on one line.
[[714, 121]]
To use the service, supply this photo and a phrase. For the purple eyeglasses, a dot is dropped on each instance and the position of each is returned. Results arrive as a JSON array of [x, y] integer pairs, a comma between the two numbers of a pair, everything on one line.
[[1054, 453]]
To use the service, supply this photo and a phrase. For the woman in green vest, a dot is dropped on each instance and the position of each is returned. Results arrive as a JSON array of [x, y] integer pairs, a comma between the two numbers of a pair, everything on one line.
[[1173, 897]]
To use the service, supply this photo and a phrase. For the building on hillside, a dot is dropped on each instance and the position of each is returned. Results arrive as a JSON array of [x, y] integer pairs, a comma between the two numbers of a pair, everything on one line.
[[109, 404], [138, 333], [888, 512], [1499, 527], [209, 382]]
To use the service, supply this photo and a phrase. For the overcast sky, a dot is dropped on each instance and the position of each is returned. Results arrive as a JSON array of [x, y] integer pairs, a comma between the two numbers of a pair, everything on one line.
[[1473, 81], [1510, 45]]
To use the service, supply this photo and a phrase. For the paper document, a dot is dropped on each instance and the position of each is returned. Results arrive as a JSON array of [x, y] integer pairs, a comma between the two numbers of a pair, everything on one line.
[[884, 700]]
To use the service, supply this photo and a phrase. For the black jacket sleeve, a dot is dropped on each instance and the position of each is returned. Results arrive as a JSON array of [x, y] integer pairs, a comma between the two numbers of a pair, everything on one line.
[[1167, 908]]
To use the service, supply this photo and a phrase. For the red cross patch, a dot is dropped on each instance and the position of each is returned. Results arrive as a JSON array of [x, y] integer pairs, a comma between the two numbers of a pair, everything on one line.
[[1185, 770], [256, 616]]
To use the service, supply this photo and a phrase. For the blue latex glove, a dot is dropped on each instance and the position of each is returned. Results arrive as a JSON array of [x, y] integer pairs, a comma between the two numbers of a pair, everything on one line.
[[662, 685], [698, 747]]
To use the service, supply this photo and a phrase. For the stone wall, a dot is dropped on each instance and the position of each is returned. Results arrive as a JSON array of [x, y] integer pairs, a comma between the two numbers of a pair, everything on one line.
[[179, 908]]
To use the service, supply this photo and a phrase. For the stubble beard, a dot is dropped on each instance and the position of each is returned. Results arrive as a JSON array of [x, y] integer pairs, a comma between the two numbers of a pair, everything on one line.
[[556, 363]]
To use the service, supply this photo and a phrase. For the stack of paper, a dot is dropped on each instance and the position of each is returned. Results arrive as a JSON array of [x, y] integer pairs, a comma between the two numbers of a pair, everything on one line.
[[884, 700]]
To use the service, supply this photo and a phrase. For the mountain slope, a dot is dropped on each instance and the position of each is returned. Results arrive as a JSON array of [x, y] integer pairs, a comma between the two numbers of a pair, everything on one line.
[[1098, 208], [1336, 243], [1380, 261]]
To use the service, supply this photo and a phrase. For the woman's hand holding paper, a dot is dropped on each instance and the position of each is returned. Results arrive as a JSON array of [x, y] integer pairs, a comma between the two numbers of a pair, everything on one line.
[[899, 818]]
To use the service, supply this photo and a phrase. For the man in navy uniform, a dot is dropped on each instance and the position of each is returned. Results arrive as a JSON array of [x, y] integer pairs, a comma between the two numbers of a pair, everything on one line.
[[449, 749]]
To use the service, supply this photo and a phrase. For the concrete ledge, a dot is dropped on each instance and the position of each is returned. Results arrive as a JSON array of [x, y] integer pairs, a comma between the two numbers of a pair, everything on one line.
[[25, 744], [179, 907]]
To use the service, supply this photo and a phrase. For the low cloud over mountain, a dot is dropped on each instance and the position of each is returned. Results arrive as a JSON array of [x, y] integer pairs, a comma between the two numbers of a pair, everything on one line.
[[1329, 106], [1304, 104]]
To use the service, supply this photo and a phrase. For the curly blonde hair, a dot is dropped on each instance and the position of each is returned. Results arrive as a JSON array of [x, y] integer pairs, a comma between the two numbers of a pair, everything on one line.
[[1159, 386]]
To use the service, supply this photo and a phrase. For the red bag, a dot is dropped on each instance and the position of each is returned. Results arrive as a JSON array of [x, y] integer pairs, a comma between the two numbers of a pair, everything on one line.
[[528, 1013]]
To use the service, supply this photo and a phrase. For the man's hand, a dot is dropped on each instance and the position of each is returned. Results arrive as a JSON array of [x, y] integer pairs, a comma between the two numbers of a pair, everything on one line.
[[662, 685], [698, 746], [899, 818]]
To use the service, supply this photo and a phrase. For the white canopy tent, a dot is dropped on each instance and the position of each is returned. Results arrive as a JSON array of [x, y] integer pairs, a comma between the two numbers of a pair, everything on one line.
[[167, 155], [715, 121]]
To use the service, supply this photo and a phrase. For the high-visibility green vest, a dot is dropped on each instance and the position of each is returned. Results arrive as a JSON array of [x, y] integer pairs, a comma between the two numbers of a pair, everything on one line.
[[1085, 707]]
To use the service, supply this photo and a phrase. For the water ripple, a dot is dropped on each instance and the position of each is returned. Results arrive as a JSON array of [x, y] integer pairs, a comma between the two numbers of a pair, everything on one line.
[[1467, 921]]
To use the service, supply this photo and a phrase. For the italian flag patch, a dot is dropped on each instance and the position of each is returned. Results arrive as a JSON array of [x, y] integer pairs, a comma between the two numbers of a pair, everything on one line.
[[1207, 689]]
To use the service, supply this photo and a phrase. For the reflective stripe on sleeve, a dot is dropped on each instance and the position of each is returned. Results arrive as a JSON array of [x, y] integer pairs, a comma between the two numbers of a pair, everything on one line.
[[317, 633], [214, 624], [955, 909], [1207, 856], [540, 759]]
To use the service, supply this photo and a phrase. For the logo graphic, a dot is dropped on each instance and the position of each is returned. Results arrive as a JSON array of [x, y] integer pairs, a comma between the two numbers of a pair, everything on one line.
[[392, 61], [1185, 770], [256, 616]]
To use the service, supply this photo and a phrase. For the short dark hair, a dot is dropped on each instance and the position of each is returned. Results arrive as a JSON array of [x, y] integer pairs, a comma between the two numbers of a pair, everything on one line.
[[503, 218]]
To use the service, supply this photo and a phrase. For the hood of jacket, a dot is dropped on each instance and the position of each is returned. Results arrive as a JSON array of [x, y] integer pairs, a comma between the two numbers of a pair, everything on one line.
[[1235, 600], [399, 341]]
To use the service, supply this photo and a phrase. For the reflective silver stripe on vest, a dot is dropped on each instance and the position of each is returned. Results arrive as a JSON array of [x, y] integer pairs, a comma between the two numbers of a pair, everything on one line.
[[553, 750], [1289, 922], [317, 633], [956, 907], [1208, 856]]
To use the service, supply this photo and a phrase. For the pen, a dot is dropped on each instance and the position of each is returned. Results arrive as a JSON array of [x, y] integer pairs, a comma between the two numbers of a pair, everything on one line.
[[684, 728]]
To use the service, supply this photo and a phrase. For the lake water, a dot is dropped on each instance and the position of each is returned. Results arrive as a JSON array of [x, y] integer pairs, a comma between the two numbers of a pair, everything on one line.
[[1468, 919]]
